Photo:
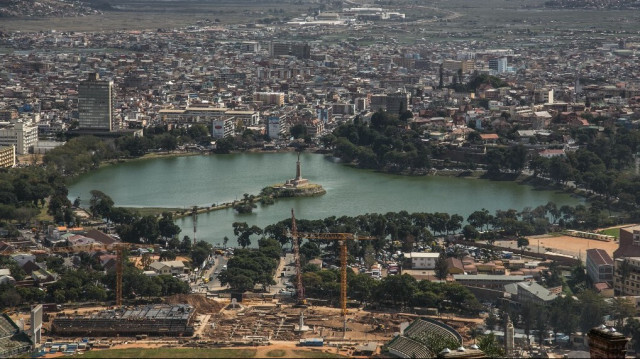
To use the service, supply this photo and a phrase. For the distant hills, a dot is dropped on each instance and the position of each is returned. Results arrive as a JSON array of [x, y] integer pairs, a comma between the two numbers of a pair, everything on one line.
[[594, 4], [51, 8]]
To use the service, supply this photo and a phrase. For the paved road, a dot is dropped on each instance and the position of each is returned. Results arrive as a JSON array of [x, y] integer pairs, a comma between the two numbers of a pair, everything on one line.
[[220, 262], [287, 265], [200, 287]]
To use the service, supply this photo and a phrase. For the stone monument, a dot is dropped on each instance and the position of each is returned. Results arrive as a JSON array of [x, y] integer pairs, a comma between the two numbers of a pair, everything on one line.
[[298, 181]]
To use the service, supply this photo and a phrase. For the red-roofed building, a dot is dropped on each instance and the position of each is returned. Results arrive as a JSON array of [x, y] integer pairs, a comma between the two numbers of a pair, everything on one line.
[[599, 265], [454, 266], [629, 243], [100, 237]]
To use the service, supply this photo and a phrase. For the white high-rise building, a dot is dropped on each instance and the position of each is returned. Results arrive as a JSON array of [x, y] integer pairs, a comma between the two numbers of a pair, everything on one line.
[[95, 104], [22, 135], [222, 127]]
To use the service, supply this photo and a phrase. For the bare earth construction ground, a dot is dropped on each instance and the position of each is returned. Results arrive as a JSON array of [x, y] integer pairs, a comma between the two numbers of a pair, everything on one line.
[[572, 246]]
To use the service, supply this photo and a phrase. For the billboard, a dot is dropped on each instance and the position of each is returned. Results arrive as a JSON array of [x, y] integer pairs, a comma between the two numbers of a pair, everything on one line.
[[36, 324], [217, 128], [323, 114], [273, 127]]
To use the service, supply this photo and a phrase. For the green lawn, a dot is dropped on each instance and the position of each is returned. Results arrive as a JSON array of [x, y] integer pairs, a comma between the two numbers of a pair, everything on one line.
[[611, 232], [276, 353], [169, 353]]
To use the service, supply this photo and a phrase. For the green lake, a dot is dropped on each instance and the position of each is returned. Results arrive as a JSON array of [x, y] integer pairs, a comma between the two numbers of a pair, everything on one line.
[[182, 182]]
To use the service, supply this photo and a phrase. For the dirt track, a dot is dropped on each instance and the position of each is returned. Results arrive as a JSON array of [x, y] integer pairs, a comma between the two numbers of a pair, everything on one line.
[[573, 246]]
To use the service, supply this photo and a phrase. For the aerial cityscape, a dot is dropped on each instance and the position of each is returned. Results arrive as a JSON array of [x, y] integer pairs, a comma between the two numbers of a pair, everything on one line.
[[320, 179]]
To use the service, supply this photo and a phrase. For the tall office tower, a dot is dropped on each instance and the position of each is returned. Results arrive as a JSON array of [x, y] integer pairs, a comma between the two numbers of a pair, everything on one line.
[[300, 50], [498, 64], [95, 104]]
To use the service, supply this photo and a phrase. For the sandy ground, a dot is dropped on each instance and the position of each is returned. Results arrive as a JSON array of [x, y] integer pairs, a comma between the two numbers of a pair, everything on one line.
[[136, 260], [573, 246]]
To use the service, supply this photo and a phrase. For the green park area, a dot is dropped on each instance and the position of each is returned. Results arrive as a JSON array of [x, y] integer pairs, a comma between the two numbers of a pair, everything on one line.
[[611, 232]]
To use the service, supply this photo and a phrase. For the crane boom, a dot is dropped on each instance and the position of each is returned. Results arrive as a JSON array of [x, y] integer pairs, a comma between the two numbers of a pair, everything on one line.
[[342, 238]]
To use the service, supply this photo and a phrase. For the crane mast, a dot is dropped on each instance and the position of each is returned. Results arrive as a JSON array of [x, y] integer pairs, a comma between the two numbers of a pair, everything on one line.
[[296, 253], [342, 238]]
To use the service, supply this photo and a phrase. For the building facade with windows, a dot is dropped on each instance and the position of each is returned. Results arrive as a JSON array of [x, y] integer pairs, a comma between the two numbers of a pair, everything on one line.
[[223, 127], [23, 136], [269, 98], [599, 266], [7, 157], [626, 276], [95, 104], [421, 260]]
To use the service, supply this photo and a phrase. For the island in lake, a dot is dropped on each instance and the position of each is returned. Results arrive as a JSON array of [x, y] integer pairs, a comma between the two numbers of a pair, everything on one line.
[[298, 186]]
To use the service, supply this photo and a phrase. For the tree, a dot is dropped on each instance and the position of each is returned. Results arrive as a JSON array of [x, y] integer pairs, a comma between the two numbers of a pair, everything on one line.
[[361, 286], [578, 280], [310, 250], [100, 204], [632, 329], [490, 346], [246, 205], [527, 315], [200, 252], [454, 223], [562, 315], [441, 267], [552, 276], [522, 242], [185, 245], [480, 219], [244, 233], [167, 256], [298, 131], [542, 323], [592, 310], [9, 296], [622, 309], [146, 260], [166, 226], [491, 321], [147, 228], [470, 232]]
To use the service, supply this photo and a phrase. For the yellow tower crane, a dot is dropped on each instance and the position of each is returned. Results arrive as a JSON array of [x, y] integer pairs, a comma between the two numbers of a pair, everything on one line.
[[342, 238]]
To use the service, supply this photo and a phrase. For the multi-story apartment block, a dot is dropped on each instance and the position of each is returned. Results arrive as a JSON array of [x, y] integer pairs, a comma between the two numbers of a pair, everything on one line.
[[421, 260], [269, 98], [626, 276], [629, 244], [298, 49], [7, 157], [223, 127], [456, 65], [599, 266], [21, 135]]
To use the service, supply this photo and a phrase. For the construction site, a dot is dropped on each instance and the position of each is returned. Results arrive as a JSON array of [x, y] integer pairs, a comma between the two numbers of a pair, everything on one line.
[[195, 320], [220, 323], [154, 320]]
